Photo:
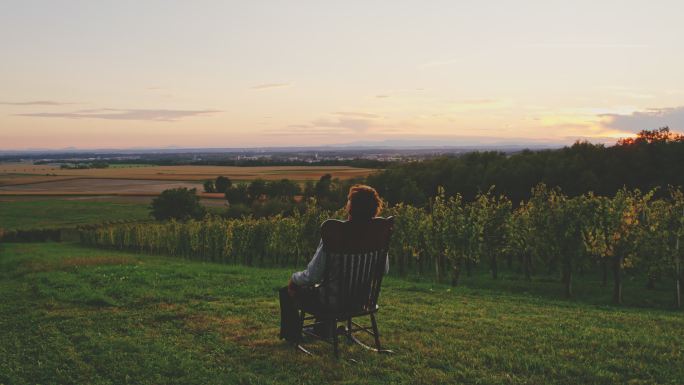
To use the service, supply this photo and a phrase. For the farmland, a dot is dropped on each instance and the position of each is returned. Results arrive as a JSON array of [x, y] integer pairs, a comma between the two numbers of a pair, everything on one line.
[[138, 184], [106, 317], [44, 212], [96, 186], [25, 173]]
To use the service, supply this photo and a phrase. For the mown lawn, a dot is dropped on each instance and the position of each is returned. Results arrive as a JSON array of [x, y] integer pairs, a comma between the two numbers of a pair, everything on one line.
[[70, 314]]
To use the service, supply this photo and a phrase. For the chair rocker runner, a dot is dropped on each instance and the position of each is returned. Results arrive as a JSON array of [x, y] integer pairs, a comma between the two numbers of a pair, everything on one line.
[[357, 257]]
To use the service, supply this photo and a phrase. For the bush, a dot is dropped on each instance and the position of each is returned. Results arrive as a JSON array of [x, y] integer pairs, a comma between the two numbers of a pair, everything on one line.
[[209, 186], [222, 184], [238, 210], [177, 203], [237, 194]]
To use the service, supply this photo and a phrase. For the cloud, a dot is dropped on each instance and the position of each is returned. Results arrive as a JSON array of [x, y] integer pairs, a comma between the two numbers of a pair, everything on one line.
[[123, 114], [440, 63], [628, 92], [478, 104], [357, 114], [382, 96], [583, 45], [36, 103], [305, 130], [480, 101], [353, 124], [648, 119], [337, 123], [266, 86]]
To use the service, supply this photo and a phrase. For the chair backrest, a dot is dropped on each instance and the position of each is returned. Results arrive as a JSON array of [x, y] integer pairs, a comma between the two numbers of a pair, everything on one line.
[[356, 259]]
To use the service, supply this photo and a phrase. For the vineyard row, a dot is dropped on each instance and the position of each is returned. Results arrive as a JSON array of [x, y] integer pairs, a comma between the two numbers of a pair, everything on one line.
[[630, 231]]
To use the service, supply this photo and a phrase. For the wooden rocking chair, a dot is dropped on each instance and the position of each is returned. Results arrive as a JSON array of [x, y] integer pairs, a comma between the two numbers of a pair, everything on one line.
[[355, 264]]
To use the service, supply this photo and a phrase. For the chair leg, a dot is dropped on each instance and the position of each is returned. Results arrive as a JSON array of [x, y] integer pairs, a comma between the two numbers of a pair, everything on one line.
[[302, 314], [298, 343], [376, 334]]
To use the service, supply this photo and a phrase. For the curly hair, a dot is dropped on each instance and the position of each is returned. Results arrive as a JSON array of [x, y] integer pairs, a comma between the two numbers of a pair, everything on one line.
[[363, 203]]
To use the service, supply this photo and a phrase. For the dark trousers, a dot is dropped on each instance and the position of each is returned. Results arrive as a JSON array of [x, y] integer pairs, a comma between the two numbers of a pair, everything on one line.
[[290, 321]]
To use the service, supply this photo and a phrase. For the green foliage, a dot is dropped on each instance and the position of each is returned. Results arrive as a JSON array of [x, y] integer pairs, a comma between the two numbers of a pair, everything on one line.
[[46, 213], [77, 315], [209, 186], [630, 232], [222, 184], [237, 194], [256, 189], [283, 189], [178, 203], [652, 159]]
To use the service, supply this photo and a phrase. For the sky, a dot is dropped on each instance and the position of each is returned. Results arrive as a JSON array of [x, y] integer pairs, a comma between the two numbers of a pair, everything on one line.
[[131, 74]]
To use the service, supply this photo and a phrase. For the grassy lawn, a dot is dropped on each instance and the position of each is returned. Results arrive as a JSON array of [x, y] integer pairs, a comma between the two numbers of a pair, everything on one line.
[[70, 314], [57, 213]]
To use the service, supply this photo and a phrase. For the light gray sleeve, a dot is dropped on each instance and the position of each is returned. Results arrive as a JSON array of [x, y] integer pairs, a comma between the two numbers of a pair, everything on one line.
[[314, 271], [387, 264]]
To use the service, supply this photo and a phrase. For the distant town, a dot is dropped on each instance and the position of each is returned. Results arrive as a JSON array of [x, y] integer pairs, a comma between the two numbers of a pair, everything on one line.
[[361, 157]]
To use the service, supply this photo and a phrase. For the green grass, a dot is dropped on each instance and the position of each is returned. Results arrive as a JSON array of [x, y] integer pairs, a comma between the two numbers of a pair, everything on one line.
[[70, 314], [59, 213]]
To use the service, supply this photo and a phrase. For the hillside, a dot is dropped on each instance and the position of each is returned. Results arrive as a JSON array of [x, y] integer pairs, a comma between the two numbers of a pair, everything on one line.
[[77, 315]]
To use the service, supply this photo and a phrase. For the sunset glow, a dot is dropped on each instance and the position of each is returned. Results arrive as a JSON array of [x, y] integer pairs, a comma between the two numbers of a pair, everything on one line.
[[255, 74]]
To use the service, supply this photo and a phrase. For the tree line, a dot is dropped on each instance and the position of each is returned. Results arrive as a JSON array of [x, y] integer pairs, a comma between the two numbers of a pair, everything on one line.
[[262, 198], [652, 159]]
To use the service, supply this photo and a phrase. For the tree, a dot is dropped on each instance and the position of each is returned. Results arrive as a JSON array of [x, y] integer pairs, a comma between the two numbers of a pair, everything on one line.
[[494, 212], [676, 224], [439, 231], [462, 233], [661, 135], [521, 237], [284, 189], [614, 236], [177, 203], [322, 188], [309, 189], [256, 189], [237, 194], [405, 238], [222, 184], [568, 225], [209, 186], [663, 232]]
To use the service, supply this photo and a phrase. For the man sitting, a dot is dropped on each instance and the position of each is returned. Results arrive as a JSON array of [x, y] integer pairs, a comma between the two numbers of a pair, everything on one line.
[[363, 204]]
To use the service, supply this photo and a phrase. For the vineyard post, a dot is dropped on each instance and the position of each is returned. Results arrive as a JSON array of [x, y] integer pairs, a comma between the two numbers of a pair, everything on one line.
[[567, 278], [527, 265], [403, 259], [604, 272], [617, 279], [679, 223], [493, 265], [678, 276], [456, 272]]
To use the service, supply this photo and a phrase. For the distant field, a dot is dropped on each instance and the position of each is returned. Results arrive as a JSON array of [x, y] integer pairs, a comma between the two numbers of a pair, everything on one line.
[[73, 315], [94, 186], [33, 212], [60, 213], [24, 173]]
